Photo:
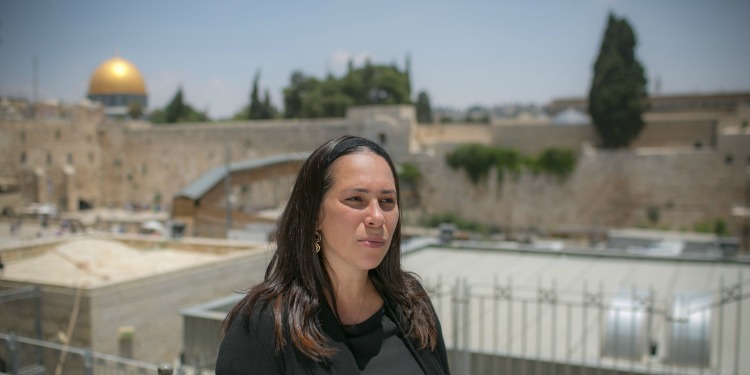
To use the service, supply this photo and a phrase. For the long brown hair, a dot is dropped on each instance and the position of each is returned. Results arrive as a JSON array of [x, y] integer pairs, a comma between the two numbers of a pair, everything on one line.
[[296, 282]]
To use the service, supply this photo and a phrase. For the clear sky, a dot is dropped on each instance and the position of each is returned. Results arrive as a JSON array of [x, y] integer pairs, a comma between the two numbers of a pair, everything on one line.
[[462, 52]]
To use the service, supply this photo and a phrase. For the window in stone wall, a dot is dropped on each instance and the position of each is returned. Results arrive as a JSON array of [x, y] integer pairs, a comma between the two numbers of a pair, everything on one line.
[[70, 158], [383, 139], [49, 158], [118, 163], [130, 177], [23, 136], [23, 157], [57, 135], [728, 159]]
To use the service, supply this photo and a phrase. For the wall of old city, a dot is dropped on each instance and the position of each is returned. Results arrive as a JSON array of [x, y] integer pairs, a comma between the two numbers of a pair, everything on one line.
[[685, 185], [152, 160], [43, 154], [689, 167]]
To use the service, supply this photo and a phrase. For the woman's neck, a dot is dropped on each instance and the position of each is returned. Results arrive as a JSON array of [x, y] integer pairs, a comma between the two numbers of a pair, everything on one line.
[[356, 298], [353, 286]]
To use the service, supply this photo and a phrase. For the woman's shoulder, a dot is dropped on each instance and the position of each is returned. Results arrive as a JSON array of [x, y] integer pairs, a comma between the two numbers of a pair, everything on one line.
[[256, 320], [249, 341]]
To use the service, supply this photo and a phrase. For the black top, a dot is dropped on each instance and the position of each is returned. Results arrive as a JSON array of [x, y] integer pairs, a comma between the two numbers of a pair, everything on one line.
[[249, 348], [378, 349]]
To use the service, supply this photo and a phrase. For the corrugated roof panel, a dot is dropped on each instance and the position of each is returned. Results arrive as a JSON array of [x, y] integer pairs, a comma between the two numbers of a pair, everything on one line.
[[213, 176]]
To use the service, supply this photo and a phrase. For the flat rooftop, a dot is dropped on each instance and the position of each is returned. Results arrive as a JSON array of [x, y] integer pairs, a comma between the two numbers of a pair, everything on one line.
[[571, 271], [94, 262], [639, 313]]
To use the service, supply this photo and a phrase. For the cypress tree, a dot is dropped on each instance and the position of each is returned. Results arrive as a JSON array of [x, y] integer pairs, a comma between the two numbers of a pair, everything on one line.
[[424, 110], [256, 107], [175, 108], [618, 96]]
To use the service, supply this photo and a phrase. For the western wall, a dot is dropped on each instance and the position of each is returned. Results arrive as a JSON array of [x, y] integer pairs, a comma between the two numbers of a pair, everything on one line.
[[690, 167]]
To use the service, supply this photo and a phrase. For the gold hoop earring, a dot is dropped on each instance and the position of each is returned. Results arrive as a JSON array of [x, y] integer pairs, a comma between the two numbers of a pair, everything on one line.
[[317, 241]]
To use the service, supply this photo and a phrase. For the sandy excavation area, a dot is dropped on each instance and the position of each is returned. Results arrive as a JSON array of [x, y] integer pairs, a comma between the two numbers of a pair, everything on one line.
[[94, 262]]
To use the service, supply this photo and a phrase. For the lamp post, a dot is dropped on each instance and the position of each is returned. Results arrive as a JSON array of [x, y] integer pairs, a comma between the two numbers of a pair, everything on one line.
[[228, 190]]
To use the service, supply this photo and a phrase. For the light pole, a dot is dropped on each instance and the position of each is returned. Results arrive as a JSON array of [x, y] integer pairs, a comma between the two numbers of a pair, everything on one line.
[[228, 189]]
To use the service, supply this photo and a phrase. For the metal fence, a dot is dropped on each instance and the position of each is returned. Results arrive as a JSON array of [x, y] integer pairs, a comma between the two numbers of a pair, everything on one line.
[[23, 355], [501, 328]]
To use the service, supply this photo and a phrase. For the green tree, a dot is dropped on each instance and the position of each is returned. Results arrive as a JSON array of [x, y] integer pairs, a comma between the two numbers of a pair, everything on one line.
[[308, 97], [177, 111], [268, 111], [175, 108], [256, 107], [618, 96], [424, 110], [135, 110], [477, 160], [296, 93]]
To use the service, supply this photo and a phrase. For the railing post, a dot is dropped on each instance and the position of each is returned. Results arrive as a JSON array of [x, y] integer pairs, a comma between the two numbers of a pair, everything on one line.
[[88, 362], [456, 298], [14, 357], [164, 369], [466, 299], [720, 340], [38, 322], [738, 324]]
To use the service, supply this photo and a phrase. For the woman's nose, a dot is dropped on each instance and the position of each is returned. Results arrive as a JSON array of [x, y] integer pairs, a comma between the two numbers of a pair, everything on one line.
[[375, 217]]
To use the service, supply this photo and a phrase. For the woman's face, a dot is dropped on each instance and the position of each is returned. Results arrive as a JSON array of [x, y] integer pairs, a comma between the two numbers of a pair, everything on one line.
[[359, 213]]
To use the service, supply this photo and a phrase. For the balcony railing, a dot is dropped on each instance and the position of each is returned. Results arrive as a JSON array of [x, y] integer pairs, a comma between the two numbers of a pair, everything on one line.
[[501, 328]]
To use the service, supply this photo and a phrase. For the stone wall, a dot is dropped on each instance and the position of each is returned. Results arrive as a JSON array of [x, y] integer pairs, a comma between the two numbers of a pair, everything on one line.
[[607, 189], [38, 153], [152, 305], [702, 156], [162, 159]]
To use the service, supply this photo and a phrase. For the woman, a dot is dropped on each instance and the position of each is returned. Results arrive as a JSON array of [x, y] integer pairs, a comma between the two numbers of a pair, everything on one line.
[[335, 299]]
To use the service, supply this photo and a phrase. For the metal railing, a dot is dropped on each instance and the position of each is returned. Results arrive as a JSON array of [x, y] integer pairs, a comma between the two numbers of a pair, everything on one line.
[[501, 328], [29, 356]]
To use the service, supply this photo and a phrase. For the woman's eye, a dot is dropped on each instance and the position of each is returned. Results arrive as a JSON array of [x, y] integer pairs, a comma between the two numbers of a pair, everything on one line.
[[354, 199]]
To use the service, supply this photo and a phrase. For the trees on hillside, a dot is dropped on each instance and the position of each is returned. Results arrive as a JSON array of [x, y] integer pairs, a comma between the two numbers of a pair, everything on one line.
[[309, 97], [177, 111], [618, 96], [257, 109]]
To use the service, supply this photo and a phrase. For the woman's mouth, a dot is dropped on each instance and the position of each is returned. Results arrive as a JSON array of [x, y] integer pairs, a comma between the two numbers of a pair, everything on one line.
[[372, 242]]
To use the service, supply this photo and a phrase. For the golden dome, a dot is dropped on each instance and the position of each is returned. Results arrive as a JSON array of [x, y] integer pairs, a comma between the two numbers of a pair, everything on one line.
[[117, 76]]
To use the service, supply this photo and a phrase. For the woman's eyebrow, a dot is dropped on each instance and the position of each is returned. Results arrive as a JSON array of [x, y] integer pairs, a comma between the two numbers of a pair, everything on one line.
[[367, 191]]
